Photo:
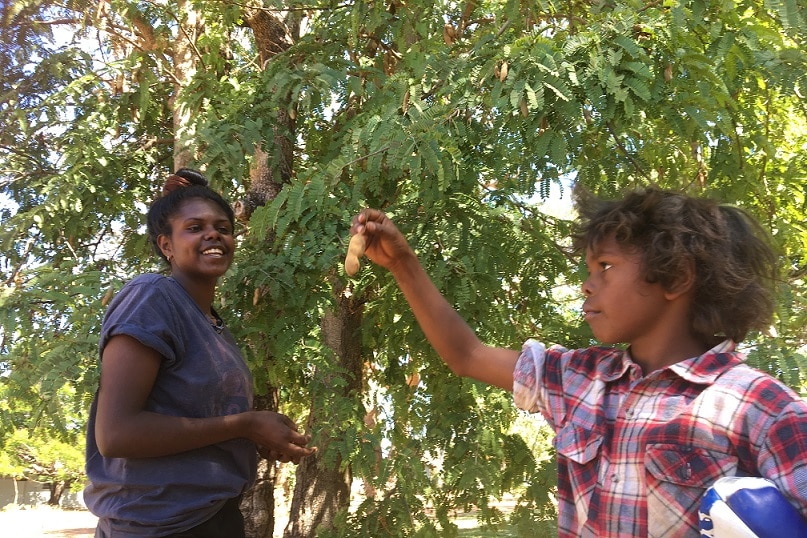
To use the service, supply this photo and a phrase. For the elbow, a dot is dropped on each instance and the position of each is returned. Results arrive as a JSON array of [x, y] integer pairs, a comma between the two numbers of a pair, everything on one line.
[[111, 443], [459, 369], [108, 448], [464, 360]]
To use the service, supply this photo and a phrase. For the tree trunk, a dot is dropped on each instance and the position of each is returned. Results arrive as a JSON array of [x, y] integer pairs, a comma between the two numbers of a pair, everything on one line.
[[271, 166], [321, 489], [185, 62], [258, 504], [57, 489], [270, 169]]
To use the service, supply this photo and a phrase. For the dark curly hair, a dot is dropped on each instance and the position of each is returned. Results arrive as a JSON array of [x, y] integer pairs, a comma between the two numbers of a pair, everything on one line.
[[182, 185], [735, 267]]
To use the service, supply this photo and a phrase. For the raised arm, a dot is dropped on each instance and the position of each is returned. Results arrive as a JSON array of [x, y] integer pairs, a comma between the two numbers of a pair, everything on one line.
[[125, 429], [446, 331]]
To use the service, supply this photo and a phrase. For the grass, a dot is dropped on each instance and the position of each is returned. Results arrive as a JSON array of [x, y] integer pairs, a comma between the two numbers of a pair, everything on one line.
[[499, 532], [469, 527]]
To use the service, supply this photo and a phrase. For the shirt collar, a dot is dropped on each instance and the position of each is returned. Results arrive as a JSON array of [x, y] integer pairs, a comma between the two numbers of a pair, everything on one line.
[[703, 369], [706, 368], [615, 366]]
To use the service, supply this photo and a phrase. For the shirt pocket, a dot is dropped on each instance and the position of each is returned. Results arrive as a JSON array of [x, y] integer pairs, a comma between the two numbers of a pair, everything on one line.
[[578, 453], [579, 444], [677, 477]]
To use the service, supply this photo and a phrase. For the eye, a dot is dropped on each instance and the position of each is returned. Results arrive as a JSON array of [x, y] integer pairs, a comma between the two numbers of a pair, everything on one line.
[[194, 228], [605, 266], [225, 230]]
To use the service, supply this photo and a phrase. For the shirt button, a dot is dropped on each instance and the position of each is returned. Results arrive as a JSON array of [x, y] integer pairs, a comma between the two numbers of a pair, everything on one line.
[[615, 478], [629, 413]]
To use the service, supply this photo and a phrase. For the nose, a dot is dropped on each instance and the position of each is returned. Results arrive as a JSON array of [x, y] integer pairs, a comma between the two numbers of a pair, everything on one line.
[[211, 232], [586, 287]]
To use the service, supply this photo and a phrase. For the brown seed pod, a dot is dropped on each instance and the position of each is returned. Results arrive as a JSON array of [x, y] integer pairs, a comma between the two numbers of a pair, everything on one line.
[[449, 34], [525, 110], [107, 296], [355, 250], [503, 71]]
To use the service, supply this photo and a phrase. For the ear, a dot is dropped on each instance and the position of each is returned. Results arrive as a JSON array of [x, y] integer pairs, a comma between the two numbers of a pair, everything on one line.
[[166, 246], [684, 283]]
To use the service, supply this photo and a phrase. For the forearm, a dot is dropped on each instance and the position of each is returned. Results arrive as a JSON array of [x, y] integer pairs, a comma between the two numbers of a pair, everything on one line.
[[147, 435], [444, 328], [446, 331], [449, 334]]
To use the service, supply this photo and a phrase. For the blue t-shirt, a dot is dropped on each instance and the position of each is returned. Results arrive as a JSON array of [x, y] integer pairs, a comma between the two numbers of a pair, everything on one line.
[[202, 374]]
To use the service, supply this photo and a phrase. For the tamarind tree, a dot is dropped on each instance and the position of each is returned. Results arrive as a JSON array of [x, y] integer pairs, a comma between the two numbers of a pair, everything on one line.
[[466, 121]]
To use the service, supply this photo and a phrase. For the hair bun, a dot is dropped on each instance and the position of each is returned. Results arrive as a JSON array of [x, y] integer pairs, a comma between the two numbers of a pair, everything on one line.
[[184, 177]]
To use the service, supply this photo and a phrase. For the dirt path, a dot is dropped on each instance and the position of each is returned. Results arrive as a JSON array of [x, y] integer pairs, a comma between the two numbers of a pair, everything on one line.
[[46, 522]]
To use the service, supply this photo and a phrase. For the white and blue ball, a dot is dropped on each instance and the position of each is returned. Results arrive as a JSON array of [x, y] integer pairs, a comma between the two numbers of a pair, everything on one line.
[[748, 507]]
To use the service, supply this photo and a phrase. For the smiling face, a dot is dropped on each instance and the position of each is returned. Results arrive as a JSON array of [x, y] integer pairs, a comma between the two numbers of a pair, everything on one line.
[[620, 306], [201, 242]]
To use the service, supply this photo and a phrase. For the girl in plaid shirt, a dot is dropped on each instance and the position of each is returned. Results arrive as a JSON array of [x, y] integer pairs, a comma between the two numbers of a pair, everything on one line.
[[641, 432]]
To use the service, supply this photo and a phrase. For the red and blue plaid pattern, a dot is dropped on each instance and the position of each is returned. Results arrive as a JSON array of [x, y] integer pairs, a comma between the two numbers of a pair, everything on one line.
[[636, 453]]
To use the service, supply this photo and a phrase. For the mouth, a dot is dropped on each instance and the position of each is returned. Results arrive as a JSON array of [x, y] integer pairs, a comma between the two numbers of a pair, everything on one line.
[[589, 314], [215, 252]]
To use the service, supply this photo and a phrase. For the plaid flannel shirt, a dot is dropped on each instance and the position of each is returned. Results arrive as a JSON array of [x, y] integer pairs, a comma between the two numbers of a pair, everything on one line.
[[636, 453]]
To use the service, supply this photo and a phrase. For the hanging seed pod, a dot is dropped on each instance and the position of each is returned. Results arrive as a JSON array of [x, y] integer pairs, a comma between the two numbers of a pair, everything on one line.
[[355, 250], [449, 34], [107, 296], [525, 110], [503, 71], [668, 73]]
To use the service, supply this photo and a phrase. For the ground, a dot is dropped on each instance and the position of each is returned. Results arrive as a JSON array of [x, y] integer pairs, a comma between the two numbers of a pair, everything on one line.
[[46, 522]]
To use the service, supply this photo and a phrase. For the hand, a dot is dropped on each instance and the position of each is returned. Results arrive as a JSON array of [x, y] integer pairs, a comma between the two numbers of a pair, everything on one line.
[[277, 437], [385, 245], [277, 456]]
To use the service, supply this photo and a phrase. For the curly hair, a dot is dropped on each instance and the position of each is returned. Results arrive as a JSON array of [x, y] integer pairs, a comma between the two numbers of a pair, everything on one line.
[[182, 185], [734, 264]]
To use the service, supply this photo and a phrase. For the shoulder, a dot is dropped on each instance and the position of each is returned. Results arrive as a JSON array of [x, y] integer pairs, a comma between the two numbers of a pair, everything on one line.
[[744, 378], [600, 361], [574, 356], [149, 280], [758, 392], [150, 292], [145, 285], [557, 361]]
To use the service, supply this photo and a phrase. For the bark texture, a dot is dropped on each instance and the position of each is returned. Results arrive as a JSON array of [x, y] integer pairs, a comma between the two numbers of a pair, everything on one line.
[[322, 486]]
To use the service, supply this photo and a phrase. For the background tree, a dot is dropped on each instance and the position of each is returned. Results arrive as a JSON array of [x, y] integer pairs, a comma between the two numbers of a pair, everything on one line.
[[48, 460], [46, 447], [459, 119]]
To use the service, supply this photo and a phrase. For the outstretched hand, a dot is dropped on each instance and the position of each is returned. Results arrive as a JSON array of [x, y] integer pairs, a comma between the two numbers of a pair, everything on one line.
[[384, 243]]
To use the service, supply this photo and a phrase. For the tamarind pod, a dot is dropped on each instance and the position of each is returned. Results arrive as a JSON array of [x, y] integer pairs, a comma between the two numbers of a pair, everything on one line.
[[355, 250], [503, 72], [107, 296]]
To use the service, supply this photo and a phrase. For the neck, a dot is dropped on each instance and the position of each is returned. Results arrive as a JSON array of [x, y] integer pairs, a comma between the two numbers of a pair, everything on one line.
[[202, 293], [662, 354]]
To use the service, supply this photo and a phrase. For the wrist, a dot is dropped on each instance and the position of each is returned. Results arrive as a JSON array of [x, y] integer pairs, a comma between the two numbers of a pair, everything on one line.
[[242, 425], [405, 266]]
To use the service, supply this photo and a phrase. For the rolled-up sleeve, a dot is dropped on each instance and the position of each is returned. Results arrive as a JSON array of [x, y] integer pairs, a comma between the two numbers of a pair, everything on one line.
[[528, 391]]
